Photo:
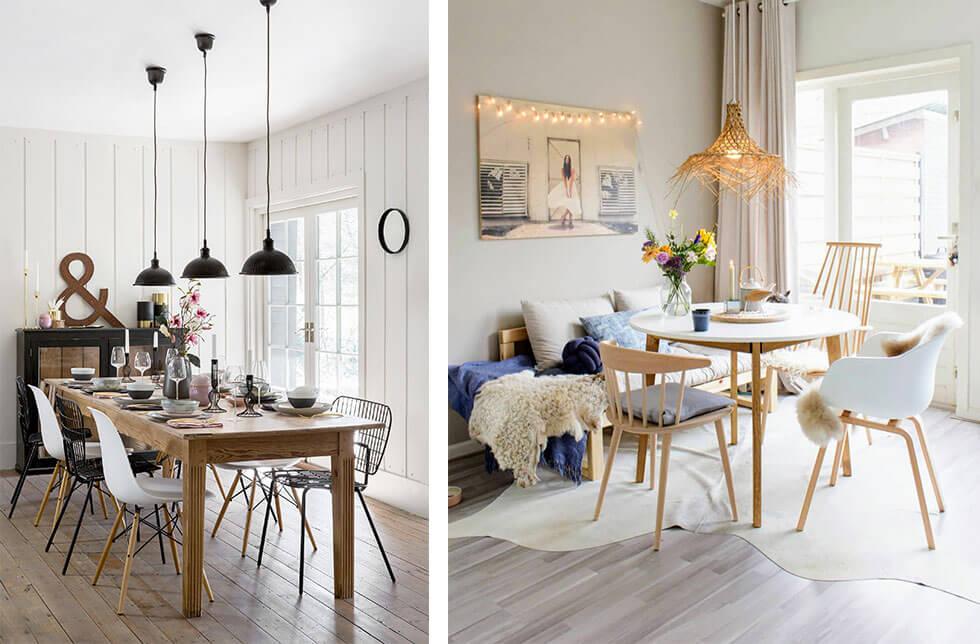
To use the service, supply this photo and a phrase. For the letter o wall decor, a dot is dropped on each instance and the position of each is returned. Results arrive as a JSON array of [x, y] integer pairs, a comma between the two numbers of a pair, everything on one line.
[[391, 248]]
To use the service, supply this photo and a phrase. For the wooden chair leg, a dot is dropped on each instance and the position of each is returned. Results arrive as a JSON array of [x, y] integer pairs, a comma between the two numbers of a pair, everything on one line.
[[867, 433], [846, 457], [610, 461], [733, 392], [641, 457], [62, 491], [173, 542], [206, 584], [108, 543], [814, 475], [306, 523], [127, 567], [595, 462], [653, 458], [55, 476], [928, 459], [217, 480], [105, 511], [838, 454], [278, 511], [248, 513], [923, 509], [224, 506], [772, 390], [727, 466], [662, 492]]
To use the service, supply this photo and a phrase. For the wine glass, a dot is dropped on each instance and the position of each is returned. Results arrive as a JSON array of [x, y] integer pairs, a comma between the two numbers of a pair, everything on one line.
[[118, 358], [142, 362], [177, 371], [261, 374]]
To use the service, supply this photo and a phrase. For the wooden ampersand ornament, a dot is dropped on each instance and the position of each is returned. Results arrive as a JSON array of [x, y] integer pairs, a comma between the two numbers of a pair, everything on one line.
[[76, 286]]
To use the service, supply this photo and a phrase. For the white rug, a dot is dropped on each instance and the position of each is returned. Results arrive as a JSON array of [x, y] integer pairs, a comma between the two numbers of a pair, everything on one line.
[[867, 527]]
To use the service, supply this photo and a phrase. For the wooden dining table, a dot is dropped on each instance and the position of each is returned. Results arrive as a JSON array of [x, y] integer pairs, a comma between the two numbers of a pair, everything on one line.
[[802, 324], [271, 436]]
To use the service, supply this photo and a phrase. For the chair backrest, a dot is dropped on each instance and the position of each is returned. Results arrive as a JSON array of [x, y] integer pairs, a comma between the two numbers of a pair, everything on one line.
[[73, 431], [26, 411], [115, 463], [618, 361], [70, 414], [50, 430], [845, 281], [373, 442]]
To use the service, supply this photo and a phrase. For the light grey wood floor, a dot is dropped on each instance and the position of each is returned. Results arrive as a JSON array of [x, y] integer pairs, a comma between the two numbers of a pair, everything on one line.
[[698, 588], [38, 604]]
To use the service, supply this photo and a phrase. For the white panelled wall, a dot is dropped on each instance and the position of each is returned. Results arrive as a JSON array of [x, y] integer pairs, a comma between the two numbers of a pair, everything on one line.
[[379, 149], [65, 192]]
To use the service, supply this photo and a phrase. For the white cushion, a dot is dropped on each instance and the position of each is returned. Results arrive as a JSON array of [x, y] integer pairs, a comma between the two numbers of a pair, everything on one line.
[[637, 299], [551, 324]]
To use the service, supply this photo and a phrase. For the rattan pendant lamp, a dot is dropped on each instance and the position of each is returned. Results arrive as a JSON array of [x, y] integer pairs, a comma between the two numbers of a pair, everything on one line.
[[155, 275], [734, 161], [205, 266], [268, 261]]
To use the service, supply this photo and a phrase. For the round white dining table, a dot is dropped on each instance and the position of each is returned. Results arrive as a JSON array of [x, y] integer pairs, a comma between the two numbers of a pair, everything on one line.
[[803, 324]]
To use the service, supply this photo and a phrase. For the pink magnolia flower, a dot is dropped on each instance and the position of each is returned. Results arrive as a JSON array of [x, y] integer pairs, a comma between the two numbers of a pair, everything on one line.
[[192, 338], [175, 321], [201, 313], [195, 296]]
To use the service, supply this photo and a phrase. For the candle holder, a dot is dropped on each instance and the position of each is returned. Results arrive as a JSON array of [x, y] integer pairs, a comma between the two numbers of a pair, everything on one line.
[[155, 374], [127, 370], [251, 399], [214, 396]]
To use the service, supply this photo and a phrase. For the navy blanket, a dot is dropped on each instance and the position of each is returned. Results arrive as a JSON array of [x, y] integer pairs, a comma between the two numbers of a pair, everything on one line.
[[563, 453]]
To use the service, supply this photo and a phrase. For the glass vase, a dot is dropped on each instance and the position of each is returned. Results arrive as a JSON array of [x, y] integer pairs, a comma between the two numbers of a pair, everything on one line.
[[675, 297]]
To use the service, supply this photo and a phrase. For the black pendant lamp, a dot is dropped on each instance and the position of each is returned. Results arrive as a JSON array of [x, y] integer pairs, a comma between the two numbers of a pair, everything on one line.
[[268, 261], [154, 275], [205, 266]]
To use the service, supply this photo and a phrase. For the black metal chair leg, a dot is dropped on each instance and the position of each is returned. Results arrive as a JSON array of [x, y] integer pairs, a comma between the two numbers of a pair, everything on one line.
[[156, 512], [20, 482], [377, 537], [302, 541], [265, 526], [78, 526], [61, 515]]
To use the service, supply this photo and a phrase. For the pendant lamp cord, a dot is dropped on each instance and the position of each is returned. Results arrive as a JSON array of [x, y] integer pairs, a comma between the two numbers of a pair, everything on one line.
[[732, 24], [268, 125], [154, 171], [205, 148]]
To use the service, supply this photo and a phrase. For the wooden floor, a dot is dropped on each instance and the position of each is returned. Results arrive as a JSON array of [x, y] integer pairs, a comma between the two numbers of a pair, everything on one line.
[[698, 588], [38, 604]]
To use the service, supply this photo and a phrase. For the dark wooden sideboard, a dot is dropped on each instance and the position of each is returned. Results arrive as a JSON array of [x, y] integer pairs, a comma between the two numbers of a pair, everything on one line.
[[51, 353]]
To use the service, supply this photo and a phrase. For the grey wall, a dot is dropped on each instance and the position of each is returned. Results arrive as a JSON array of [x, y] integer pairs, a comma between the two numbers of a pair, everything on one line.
[[660, 57]]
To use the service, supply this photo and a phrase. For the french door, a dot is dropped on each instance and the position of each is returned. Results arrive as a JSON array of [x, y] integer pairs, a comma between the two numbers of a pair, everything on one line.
[[313, 319]]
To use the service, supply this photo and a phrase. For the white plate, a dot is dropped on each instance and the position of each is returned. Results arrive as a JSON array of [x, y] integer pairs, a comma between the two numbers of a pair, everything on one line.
[[316, 410], [170, 415]]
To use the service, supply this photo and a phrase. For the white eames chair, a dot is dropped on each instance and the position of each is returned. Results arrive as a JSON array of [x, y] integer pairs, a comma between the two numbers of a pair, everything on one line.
[[140, 493], [891, 388], [55, 447]]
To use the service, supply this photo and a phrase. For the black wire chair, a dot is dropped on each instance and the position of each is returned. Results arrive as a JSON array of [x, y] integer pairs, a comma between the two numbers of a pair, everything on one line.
[[369, 451], [26, 419], [85, 470]]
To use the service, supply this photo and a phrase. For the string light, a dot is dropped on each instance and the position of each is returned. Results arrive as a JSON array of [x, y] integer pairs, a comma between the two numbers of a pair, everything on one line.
[[585, 117]]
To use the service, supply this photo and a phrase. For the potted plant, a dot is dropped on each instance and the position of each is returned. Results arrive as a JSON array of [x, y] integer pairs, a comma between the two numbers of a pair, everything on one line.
[[185, 329], [676, 255]]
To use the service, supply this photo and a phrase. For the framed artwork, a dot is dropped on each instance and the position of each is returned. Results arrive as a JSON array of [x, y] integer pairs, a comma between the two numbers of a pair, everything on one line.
[[548, 170]]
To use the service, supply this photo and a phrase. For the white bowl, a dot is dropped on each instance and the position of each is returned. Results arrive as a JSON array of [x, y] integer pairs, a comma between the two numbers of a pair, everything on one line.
[[182, 405], [141, 386], [107, 383]]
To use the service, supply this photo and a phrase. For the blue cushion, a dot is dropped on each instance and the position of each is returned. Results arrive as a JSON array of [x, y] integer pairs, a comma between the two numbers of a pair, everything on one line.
[[581, 356], [614, 326]]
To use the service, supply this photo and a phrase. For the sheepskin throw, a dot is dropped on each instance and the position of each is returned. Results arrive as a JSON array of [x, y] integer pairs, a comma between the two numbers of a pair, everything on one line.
[[819, 422], [921, 334], [514, 415]]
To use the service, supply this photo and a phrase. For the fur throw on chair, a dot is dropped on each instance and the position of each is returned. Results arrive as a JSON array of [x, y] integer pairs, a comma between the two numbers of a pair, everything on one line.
[[819, 422], [921, 334], [514, 415]]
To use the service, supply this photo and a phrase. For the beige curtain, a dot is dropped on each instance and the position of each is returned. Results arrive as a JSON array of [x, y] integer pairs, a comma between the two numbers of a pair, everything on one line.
[[761, 233]]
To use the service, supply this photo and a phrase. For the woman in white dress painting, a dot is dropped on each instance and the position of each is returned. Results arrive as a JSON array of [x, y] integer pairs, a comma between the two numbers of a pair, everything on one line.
[[564, 196]]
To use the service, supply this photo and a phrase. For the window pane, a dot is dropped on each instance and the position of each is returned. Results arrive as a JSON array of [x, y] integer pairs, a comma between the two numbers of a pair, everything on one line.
[[327, 235], [811, 192], [348, 281], [349, 377], [327, 276], [294, 247], [277, 326], [348, 233], [295, 328], [900, 184], [348, 329], [327, 328], [277, 360], [279, 289], [295, 367], [327, 364]]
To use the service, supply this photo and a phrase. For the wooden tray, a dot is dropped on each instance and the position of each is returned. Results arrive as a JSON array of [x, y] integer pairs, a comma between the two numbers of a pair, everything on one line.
[[750, 318]]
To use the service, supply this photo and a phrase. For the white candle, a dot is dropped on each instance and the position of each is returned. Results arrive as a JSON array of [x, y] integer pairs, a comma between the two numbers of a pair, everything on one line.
[[127, 340], [37, 279], [214, 346], [156, 339], [731, 277], [27, 261]]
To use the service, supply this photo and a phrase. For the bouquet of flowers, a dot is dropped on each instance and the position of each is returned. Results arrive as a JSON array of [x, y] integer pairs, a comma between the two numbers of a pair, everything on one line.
[[185, 326], [676, 255]]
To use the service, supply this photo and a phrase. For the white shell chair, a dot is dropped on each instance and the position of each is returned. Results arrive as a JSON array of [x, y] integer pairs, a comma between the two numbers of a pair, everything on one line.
[[55, 447], [894, 388], [141, 493]]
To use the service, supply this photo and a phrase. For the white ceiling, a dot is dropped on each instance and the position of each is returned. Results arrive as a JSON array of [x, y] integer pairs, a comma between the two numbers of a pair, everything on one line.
[[79, 66]]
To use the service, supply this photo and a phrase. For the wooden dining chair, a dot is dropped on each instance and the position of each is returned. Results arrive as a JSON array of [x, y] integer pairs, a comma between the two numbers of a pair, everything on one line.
[[659, 410], [844, 283]]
